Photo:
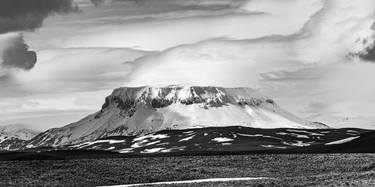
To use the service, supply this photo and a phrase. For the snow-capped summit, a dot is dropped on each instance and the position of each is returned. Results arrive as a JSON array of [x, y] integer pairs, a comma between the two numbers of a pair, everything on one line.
[[159, 97], [13, 136], [16, 131], [137, 110]]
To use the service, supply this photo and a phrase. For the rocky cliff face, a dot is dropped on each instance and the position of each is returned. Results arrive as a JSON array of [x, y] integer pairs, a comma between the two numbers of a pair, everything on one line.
[[137, 110]]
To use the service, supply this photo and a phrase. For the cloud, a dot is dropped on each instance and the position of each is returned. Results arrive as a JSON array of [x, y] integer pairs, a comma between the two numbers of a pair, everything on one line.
[[317, 107], [366, 49], [28, 15], [78, 70], [317, 32], [187, 4], [66, 85], [50, 110], [17, 54], [160, 28], [369, 53], [294, 51], [219, 62], [306, 65], [328, 93], [25, 15], [61, 103], [107, 2], [152, 25], [100, 2]]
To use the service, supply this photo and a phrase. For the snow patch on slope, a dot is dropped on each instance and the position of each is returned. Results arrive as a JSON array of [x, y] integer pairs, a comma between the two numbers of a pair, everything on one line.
[[222, 139], [343, 140]]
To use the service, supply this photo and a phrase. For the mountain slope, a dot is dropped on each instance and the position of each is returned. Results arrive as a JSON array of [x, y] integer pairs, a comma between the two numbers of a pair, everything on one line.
[[139, 110], [225, 139], [14, 136], [360, 143]]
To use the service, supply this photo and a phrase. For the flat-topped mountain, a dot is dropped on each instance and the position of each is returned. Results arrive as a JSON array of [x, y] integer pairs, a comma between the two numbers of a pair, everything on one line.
[[138, 110]]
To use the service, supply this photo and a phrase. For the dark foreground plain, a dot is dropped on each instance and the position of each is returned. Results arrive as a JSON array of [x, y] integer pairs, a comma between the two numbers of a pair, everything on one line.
[[282, 169]]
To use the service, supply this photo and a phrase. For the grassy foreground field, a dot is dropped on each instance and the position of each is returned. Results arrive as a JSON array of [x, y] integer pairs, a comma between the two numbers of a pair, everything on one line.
[[283, 170]]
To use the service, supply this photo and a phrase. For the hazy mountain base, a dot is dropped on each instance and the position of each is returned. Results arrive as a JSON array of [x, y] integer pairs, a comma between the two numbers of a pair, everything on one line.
[[283, 170], [236, 139], [12, 137], [210, 141]]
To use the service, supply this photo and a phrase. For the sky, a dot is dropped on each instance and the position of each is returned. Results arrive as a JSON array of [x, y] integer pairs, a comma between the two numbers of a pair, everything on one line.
[[60, 58]]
